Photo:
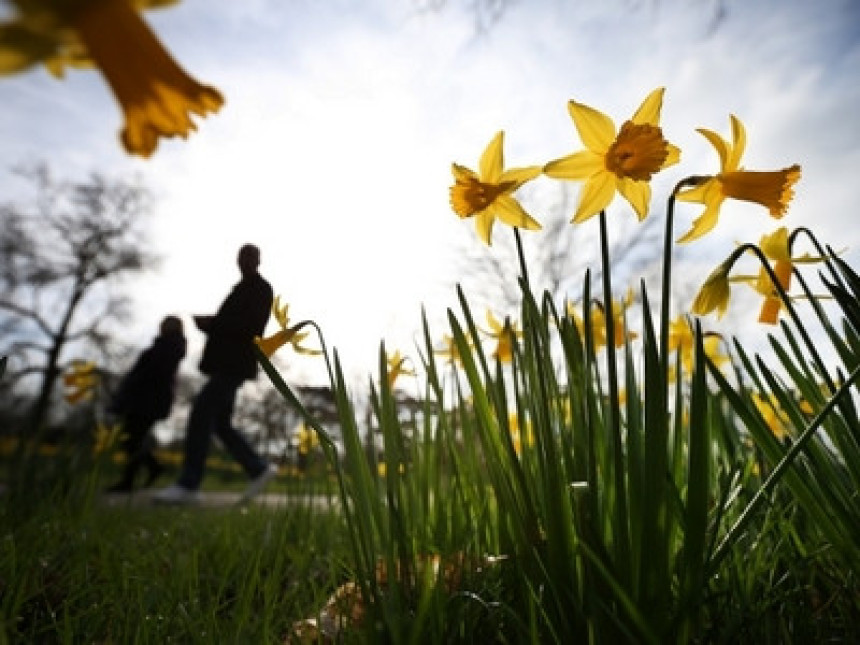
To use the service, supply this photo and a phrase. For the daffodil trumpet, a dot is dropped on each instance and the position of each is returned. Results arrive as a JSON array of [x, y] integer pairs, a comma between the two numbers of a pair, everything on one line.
[[156, 95], [771, 189]]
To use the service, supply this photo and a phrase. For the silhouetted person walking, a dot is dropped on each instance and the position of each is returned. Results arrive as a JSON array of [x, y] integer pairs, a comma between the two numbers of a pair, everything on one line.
[[144, 396], [228, 360]]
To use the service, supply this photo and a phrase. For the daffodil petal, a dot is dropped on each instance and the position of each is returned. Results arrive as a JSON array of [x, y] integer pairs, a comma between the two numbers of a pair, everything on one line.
[[775, 245], [494, 322], [461, 173], [596, 130], [638, 193], [484, 224], [519, 176], [579, 165], [509, 210], [739, 144], [697, 194], [596, 194], [21, 48], [492, 160], [704, 223], [673, 156], [721, 145], [649, 111]]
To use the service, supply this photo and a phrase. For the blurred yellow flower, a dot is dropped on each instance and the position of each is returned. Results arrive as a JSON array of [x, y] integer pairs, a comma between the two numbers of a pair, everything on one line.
[[622, 161], [382, 468], [80, 381], [681, 339], [487, 194], [517, 437], [447, 348], [715, 293], [106, 437], [306, 439], [48, 449], [504, 333], [620, 334], [285, 335], [170, 457], [396, 367], [8, 445], [775, 248], [155, 93], [773, 190], [774, 416]]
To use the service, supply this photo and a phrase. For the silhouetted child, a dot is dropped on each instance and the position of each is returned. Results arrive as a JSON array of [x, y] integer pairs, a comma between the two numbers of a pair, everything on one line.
[[145, 396]]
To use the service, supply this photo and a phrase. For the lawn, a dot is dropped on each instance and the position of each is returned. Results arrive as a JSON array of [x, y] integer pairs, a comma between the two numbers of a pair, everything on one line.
[[75, 569]]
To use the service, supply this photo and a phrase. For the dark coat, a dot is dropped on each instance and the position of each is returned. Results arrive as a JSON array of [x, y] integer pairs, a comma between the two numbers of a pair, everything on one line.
[[230, 333], [147, 390]]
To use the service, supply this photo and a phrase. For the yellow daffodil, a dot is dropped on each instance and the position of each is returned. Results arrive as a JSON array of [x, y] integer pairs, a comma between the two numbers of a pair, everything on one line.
[[681, 339], [620, 333], [715, 293], [80, 381], [396, 367], [306, 439], [488, 194], [773, 189], [156, 95], [517, 437], [774, 416], [285, 335], [504, 333], [106, 437], [447, 349], [775, 248], [616, 161], [8, 446], [382, 469]]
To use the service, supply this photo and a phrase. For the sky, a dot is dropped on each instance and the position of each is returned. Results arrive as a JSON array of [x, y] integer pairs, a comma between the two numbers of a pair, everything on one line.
[[342, 118]]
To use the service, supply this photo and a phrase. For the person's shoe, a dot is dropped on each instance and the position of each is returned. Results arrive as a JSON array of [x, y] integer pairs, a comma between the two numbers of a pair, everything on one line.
[[176, 494], [259, 482]]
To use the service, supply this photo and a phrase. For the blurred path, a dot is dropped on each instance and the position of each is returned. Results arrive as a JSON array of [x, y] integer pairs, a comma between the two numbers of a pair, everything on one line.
[[219, 499]]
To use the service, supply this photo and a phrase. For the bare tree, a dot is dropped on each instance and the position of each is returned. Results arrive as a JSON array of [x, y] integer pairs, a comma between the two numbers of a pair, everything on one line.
[[61, 256], [487, 13], [266, 417]]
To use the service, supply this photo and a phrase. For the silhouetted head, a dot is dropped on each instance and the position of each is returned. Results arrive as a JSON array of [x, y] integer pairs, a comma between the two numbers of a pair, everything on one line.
[[171, 325], [248, 260]]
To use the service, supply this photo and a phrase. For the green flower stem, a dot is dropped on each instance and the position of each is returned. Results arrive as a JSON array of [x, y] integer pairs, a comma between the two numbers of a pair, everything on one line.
[[522, 258], [666, 286], [329, 448], [769, 484]]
